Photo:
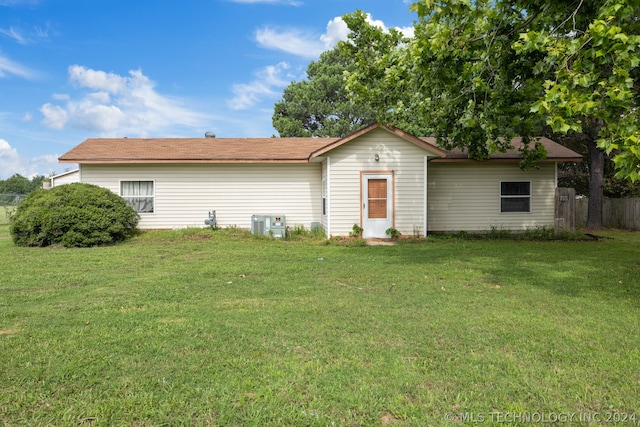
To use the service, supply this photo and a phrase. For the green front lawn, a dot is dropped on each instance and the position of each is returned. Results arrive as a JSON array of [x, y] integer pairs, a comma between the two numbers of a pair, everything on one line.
[[219, 328]]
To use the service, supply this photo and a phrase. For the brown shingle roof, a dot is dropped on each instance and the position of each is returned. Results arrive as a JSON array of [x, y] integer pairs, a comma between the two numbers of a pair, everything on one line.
[[262, 150], [194, 150], [555, 152]]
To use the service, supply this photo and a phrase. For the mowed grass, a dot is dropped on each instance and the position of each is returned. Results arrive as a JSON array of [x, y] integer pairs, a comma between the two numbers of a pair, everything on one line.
[[219, 328]]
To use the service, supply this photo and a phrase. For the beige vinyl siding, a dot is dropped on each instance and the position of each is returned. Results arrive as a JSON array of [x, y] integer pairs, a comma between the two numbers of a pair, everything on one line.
[[466, 196], [402, 158], [65, 178], [185, 193]]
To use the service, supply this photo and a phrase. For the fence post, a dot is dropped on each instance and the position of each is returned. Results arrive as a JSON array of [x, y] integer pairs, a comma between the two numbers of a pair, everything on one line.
[[8, 204]]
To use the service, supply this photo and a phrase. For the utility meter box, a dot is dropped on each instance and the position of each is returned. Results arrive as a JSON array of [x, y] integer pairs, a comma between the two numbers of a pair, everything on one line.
[[269, 225], [278, 227]]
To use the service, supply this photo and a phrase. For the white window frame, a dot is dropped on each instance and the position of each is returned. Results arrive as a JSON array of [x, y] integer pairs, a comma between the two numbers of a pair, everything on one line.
[[152, 196], [515, 196]]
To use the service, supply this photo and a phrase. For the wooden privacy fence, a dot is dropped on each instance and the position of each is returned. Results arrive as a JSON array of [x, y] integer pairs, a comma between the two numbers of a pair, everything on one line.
[[616, 213]]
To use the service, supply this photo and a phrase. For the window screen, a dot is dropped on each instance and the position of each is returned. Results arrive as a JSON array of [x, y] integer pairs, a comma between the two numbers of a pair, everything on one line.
[[515, 196]]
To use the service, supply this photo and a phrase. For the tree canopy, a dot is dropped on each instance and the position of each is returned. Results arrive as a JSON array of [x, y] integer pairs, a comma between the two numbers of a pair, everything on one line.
[[594, 82], [478, 72], [320, 105], [18, 184]]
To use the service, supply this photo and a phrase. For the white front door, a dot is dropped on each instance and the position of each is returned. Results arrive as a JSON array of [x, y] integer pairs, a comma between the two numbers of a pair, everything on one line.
[[377, 204]]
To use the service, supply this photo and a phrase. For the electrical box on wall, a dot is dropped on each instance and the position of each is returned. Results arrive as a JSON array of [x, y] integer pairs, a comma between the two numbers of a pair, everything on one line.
[[269, 225]]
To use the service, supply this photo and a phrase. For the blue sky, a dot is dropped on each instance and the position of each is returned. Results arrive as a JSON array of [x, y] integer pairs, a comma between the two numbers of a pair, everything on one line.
[[77, 69]]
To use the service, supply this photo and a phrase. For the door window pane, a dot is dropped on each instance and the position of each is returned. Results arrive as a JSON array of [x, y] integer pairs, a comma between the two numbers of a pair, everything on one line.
[[377, 197]]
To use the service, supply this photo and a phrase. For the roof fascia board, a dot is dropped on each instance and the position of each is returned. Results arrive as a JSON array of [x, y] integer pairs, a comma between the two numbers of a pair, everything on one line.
[[546, 160], [176, 161]]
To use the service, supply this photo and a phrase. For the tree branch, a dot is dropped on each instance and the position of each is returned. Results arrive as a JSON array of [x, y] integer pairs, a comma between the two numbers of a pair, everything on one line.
[[572, 17], [524, 24]]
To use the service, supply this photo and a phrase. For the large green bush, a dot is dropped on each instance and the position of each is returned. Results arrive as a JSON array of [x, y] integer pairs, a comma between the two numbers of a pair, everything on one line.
[[73, 215]]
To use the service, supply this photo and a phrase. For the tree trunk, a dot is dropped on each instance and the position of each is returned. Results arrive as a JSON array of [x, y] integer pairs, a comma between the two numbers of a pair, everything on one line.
[[596, 185]]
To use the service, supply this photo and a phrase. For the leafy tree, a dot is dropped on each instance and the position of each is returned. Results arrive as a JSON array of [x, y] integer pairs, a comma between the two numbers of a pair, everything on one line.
[[478, 72], [593, 89], [36, 182], [16, 184], [320, 106], [576, 175], [457, 77]]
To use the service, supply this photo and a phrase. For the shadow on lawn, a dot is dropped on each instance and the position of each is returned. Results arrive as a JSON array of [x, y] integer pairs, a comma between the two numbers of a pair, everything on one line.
[[606, 267]]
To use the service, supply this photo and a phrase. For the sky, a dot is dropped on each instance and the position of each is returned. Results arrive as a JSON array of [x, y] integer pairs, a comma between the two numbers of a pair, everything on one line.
[[77, 69]]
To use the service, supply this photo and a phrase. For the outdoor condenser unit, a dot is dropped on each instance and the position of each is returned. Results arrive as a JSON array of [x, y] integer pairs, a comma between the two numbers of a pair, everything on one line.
[[269, 225]]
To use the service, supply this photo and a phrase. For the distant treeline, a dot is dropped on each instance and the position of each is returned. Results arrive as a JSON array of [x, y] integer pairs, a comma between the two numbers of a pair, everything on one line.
[[19, 184]]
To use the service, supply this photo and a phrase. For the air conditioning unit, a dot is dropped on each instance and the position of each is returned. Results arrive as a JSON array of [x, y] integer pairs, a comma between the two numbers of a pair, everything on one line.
[[269, 225]]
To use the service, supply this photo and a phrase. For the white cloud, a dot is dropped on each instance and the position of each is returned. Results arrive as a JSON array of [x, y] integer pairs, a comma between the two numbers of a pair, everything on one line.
[[407, 31], [8, 154], [55, 116], [11, 163], [118, 105], [26, 37], [27, 117], [98, 117], [292, 41], [8, 66], [99, 97], [268, 79], [43, 165], [308, 45], [92, 79], [336, 30], [14, 34]]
